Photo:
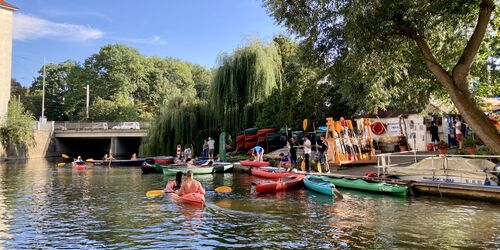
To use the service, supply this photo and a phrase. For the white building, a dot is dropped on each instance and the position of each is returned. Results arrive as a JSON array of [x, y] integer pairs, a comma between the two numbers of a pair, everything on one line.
[[6, 14]]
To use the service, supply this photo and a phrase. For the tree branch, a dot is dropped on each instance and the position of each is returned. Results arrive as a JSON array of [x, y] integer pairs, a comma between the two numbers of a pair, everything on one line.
[[462, 68], [430, 61]]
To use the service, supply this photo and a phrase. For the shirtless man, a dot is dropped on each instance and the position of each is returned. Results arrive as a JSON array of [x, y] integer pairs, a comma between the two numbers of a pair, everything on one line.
[[190, 185]]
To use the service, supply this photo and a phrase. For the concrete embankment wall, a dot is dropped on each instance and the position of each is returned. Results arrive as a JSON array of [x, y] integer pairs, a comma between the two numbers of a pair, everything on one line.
[[44, 147]]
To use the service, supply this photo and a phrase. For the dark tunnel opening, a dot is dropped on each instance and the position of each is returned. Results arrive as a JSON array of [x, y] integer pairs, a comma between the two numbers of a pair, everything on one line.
[[95, 148]]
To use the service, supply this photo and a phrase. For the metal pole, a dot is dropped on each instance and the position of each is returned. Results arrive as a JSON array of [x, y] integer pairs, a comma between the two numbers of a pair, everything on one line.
[[43, 90], [88, 92]]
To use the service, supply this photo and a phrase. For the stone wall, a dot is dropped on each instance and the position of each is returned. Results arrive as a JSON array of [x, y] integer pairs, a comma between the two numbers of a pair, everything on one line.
[[44, 147]]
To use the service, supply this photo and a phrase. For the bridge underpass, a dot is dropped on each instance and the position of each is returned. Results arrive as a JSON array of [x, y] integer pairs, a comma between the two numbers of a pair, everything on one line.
[[94, 143]]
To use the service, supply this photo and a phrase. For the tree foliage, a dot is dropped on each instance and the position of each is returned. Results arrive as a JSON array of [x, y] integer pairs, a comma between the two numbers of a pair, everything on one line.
[[18, 131], [399, 53]]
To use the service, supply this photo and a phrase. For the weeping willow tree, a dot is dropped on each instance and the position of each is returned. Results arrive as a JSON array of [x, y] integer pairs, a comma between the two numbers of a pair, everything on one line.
[[242, 82], [179, 123]]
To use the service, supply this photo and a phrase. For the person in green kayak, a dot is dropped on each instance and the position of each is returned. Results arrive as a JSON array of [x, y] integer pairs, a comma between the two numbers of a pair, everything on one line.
[[258, 153], [190, 185]]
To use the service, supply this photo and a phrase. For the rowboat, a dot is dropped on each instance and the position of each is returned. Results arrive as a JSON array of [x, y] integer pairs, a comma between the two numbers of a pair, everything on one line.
[[319, 185], [217, 168], [278, 185], [254, 163], [119, 163], [270, 173], [365, 185], [195, 199]]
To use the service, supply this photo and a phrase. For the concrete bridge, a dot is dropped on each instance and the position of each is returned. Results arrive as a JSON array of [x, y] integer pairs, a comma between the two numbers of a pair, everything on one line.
[[94, 139]]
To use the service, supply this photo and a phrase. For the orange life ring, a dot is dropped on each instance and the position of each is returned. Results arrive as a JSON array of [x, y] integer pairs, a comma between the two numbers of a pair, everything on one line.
[[378, 128]]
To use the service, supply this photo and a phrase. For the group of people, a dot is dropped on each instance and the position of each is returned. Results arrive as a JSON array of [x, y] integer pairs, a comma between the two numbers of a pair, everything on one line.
[[208, 148], [289, 160], [457, 125], [187, 186]]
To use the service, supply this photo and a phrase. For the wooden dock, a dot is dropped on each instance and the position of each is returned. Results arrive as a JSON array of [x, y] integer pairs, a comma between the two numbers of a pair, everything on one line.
[[463, 191]]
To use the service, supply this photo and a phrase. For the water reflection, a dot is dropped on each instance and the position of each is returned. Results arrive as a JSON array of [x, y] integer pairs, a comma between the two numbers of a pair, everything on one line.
[[43, 206]]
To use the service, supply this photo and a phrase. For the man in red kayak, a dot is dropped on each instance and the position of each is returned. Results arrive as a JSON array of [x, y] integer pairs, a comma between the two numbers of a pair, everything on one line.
[[190, 185]]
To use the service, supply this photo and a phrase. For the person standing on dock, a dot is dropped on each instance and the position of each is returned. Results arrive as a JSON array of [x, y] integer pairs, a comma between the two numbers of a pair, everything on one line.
[[205, 149], [433, 129], [323, 154], [307, 153], [211, 148], [458, 132], [292, 143]]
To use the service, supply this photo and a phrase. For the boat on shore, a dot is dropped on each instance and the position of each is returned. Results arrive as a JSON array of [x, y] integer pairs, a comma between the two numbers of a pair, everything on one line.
[[367, 185], [197, 169], [319, 185], [267, 186], [272, 174]]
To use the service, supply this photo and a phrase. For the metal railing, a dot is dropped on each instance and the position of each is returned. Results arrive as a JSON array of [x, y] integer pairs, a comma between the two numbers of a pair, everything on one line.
[[385, 160], [63, 126]]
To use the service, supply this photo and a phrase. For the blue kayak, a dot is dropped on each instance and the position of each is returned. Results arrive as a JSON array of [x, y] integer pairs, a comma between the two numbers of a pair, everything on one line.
[[319, 185]]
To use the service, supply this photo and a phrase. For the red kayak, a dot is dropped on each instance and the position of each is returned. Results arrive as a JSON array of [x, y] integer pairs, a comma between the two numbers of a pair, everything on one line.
[[270, 174], [79, 165], [254, 163], [281, 184], [164, 160], [195, 199]]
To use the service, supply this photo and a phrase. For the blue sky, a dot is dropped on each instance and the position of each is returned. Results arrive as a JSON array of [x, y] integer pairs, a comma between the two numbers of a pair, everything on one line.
[[194, 31]]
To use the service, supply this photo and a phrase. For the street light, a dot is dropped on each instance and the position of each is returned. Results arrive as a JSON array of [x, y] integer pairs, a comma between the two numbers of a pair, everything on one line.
[[88, 93]]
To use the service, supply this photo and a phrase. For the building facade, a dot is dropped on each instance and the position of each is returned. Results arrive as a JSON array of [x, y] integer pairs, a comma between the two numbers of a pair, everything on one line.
[[6, 15]]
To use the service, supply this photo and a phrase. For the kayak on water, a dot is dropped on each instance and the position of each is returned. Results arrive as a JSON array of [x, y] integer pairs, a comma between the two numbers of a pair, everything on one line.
[[195, 199], [373, 186], [278, 185], [273, 174], [319, 185], [167, 171], [80, 165], [254, 163]]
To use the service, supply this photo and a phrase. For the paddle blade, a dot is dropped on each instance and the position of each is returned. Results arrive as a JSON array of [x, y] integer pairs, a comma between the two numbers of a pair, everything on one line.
[[65, 156], [89, 159], [304, 124], [319, 167], [303, 166], [153, 193], [223, 189], [61, 164]]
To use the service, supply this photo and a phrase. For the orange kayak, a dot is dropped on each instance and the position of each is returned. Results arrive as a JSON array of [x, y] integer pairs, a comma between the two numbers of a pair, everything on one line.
[[195, 199], [79, 165], [269, 174], [278, 185]]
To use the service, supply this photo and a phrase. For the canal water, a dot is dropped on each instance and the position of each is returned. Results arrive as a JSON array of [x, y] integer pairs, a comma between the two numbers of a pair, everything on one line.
[[44, 206]]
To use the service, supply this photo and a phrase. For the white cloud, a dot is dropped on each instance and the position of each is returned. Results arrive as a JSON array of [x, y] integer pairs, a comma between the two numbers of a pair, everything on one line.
[[28, 27], [155, 40]]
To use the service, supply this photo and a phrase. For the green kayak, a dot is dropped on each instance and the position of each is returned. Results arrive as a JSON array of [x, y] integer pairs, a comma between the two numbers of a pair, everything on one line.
[[219, 168], [373, 186], [319, 185]]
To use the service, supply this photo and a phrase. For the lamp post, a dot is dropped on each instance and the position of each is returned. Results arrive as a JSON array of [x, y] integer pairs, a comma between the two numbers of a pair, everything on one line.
[[88, 93]]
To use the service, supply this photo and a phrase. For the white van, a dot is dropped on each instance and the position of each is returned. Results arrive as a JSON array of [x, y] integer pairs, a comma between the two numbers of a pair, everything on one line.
[[127, 125]]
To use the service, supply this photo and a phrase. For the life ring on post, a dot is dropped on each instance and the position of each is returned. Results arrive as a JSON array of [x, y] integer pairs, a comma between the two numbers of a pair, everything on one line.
[[378, 128]]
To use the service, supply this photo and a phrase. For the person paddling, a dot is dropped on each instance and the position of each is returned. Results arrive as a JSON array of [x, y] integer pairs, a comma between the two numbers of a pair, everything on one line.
[[190, 185]]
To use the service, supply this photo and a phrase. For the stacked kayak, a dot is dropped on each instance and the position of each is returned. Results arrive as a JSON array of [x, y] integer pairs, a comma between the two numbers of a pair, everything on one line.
[[254, 163], [278, 185], [373, 186], [195, 199], [264, 173], [319, 185], [217, 168]]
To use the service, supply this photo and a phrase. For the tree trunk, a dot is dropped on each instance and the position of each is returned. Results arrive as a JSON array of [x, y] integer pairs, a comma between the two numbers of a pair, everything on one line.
[[456, 83], [476, 119]]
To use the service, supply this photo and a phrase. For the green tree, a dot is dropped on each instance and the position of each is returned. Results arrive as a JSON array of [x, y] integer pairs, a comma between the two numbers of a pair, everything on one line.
[[375, 49], [17, 133]]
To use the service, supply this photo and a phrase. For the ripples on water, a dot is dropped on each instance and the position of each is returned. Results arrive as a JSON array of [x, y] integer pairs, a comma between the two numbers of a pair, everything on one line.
[[43, 206]]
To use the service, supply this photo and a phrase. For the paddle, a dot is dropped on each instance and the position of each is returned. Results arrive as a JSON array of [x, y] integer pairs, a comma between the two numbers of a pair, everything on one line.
[[318, 166], [61, 164], [304, 127], [65, 156], [221, 189]]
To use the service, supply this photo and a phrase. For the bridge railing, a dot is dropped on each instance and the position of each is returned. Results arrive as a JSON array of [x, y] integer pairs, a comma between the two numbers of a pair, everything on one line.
[[63, 126]]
